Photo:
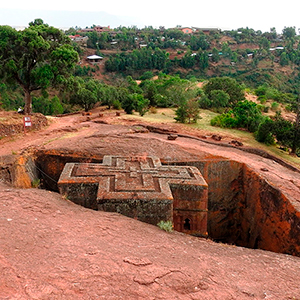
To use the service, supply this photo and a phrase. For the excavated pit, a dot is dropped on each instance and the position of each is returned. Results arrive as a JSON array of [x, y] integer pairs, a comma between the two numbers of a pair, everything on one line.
[[243, 209]]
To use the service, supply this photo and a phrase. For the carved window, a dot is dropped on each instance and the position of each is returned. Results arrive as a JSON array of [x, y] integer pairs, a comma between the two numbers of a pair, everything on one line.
[[187, 224]]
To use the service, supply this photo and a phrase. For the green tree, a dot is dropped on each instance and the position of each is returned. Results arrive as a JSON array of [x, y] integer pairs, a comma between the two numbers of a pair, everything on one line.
[[248, 115], [284, 60], [219, 98], [265, 132], [202, 59], [215, 55], [226, 84], [35, 58], [264, 43], [150, 90], [84, 92], [129, 104], [245, 114], [226, 51], [289, 32], [142, 104], [296, 126], [181, 114], [192, 110]]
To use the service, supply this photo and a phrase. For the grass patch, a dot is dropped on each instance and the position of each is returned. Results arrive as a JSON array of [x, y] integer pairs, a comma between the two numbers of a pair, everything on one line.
[[166, 115], [166, 226], [163, 115]]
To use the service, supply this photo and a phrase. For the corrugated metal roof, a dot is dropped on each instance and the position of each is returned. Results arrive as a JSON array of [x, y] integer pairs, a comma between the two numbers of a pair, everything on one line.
[[94, 57]]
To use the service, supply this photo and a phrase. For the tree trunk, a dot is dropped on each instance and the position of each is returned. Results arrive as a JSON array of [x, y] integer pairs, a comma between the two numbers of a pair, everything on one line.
[[28, 103]]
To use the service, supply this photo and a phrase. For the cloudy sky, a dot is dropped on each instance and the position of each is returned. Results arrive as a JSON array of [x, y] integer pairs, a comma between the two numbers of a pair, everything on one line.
[[230, 14]]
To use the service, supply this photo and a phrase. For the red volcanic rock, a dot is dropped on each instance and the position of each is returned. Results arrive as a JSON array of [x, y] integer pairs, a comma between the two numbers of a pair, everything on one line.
[[51, 248], [54, 249], [141, 188]]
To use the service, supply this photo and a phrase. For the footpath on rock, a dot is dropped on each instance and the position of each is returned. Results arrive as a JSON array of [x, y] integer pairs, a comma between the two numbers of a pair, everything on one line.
[[51, 248]]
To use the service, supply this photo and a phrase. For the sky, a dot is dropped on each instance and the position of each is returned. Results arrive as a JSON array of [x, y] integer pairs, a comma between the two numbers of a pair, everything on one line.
[[231, 14]]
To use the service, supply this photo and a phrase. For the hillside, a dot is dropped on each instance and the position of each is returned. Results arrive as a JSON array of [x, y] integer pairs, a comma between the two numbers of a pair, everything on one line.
[[252, 57]]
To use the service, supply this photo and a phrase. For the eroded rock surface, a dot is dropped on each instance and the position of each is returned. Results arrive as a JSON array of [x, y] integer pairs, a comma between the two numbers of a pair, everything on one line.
[[54, 249]]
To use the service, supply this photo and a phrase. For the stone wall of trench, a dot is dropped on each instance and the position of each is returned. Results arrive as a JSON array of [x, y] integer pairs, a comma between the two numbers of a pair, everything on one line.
[[245, 210]]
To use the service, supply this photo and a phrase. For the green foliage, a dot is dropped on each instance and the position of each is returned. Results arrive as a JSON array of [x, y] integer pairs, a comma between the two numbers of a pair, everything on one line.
[[36, 183], [56, 106], [264, 133], [286, 133], [116, 104], [135, 102], [166, 226], [84, 71], [245, 114], [215, 55], [248, 115], [205, 102], [147, 75], [46, 106], [108, 95], [85, 92], [283, 131], [226, 84], [149, 91], [226, 120], [219, 98], [35, 58], [143, 59], [142, 104], [274, 106], [10, 97], [181, 114], [284, 59], [261, 90], [199, 42], [289, 32], [188, 112]]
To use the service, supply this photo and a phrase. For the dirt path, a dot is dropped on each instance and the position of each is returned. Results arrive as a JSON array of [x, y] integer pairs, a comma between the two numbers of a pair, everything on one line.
[[56, 128]]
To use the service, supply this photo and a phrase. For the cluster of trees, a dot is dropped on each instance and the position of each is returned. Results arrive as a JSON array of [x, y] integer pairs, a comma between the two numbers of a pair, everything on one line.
[[143, 59], [227, 94], [35, 58], [149, 59]]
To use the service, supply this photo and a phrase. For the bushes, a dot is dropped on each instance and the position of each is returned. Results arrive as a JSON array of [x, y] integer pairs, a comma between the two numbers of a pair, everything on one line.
[[219, 98], [245, 114], [264, 133], [46, 106], [274, 106], [226, 84], [226, 120], [283, 131], [135, 102]]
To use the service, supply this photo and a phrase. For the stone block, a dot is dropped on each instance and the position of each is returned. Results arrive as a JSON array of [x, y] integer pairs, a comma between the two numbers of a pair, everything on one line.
[[141, 188]]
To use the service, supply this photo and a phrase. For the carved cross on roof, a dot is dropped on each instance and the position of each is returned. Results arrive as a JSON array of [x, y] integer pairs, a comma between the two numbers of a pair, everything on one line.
[[138, 187]]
